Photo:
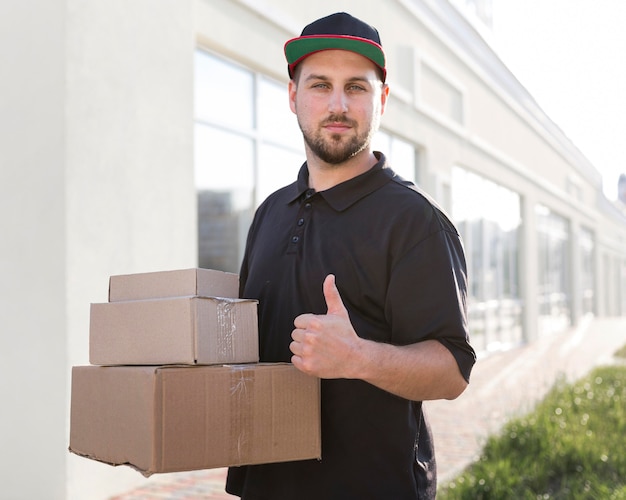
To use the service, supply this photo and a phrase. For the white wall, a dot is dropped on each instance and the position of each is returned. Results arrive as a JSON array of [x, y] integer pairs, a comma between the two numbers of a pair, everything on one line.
[[96, 166], [32, 250]]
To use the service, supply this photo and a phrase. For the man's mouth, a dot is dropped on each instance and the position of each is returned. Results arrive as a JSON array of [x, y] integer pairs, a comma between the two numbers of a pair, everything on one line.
[[337, 126]]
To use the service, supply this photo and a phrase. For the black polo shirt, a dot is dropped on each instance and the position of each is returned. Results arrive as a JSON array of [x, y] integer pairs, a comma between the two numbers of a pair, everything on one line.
[[400, 270]]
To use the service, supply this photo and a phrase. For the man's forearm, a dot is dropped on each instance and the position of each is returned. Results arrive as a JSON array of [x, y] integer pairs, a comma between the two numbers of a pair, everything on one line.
[[422, 371]]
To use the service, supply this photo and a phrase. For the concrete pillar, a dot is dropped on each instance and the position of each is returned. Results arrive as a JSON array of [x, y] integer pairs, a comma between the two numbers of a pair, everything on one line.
[[529, 270]]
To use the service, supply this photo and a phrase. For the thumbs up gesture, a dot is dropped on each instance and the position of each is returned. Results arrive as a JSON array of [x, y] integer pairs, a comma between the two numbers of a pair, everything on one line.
[[325, 345]]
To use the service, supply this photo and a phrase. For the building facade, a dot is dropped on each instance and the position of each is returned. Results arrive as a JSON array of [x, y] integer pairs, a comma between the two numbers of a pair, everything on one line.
[[140, 136]]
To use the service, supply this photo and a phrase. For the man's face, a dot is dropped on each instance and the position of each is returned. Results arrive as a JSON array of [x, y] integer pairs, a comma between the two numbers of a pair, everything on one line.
[[338, 98]]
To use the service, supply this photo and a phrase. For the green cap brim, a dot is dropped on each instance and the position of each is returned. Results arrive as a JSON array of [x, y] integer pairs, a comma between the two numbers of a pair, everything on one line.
[[299, 48]]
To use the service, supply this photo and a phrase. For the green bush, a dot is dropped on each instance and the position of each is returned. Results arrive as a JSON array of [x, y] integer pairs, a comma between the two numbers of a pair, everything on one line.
[[573, 446], [621, 353]]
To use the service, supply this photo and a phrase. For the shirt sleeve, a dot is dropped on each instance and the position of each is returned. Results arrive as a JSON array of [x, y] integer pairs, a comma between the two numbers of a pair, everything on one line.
[[427, 297]]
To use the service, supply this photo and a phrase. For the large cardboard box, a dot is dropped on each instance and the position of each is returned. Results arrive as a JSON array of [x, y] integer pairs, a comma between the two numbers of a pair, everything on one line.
[[177, 283], [178, 418], [184, 330]]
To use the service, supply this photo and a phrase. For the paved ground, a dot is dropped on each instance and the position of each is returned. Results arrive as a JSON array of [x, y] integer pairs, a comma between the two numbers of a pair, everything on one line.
[[197, 485], [503, 385]]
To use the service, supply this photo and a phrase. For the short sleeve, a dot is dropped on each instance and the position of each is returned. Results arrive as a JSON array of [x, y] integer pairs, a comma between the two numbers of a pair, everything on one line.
[[427, 297]]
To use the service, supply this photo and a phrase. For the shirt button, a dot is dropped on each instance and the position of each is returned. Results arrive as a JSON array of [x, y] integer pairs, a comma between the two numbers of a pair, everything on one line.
[[307, 206], [300, 222], [295, 239], [310, 193]]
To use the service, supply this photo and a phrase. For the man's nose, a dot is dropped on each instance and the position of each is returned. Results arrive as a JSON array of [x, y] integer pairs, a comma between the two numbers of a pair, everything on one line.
[[338, 102]]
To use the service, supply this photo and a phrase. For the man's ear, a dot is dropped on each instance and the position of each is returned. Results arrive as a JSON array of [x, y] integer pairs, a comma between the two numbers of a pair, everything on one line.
[[293, 87], [384, 94]]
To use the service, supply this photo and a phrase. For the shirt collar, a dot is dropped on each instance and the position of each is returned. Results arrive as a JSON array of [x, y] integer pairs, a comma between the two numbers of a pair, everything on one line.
[[343, 195]]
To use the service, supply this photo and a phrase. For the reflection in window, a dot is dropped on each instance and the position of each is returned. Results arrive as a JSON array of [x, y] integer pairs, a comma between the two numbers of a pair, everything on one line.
[[587, 279], [224, 182], [553, 282], [488, 217], [226, 167], [247, 144]]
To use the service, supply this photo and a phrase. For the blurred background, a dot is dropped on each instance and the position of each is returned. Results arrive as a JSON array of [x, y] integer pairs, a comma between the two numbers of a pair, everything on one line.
[[141, 135]]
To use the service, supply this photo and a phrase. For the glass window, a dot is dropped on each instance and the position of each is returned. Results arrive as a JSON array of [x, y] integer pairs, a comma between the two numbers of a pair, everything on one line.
[[278, 167], [587, 279], [247, 144], [224, 162], [276, 121], [488, 217], [400, 153], [382, 142], [223, 92], [553, 242], [403, 154], [622, 289], [224, 182]]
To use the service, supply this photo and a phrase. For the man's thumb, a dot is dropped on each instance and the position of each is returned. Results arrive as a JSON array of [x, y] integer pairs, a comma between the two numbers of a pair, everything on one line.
[[333, 299]]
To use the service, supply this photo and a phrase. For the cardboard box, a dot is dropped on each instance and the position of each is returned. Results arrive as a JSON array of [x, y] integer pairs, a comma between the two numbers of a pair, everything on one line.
[[184, 330], [179, 283], [179, 418]]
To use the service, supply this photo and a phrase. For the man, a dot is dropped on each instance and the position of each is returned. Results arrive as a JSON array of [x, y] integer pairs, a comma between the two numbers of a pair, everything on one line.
[[361, 281]]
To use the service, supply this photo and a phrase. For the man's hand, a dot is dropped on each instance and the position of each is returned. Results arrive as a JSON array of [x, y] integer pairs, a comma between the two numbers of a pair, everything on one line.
[[326, 346], [323, 345]]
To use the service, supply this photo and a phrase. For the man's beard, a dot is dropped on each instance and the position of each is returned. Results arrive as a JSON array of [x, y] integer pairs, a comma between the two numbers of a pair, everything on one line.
[[333, 150]]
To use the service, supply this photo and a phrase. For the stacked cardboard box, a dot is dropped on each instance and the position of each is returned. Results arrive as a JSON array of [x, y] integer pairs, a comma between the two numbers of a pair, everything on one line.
[[175, 384]]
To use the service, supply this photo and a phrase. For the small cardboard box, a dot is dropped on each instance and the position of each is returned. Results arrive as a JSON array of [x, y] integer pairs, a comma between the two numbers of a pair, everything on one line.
[[179, 283], [179, 418], [184, 330]]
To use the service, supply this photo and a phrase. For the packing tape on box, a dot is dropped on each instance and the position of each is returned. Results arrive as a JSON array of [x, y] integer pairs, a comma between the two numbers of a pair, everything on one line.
[[226, 328], [242, 425]]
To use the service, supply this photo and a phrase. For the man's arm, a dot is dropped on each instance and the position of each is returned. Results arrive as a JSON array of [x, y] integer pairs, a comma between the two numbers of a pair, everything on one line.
[[327, 346]]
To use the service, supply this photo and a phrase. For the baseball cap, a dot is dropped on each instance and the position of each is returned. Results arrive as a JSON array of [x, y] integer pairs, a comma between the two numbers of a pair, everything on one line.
[[337, 31]]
